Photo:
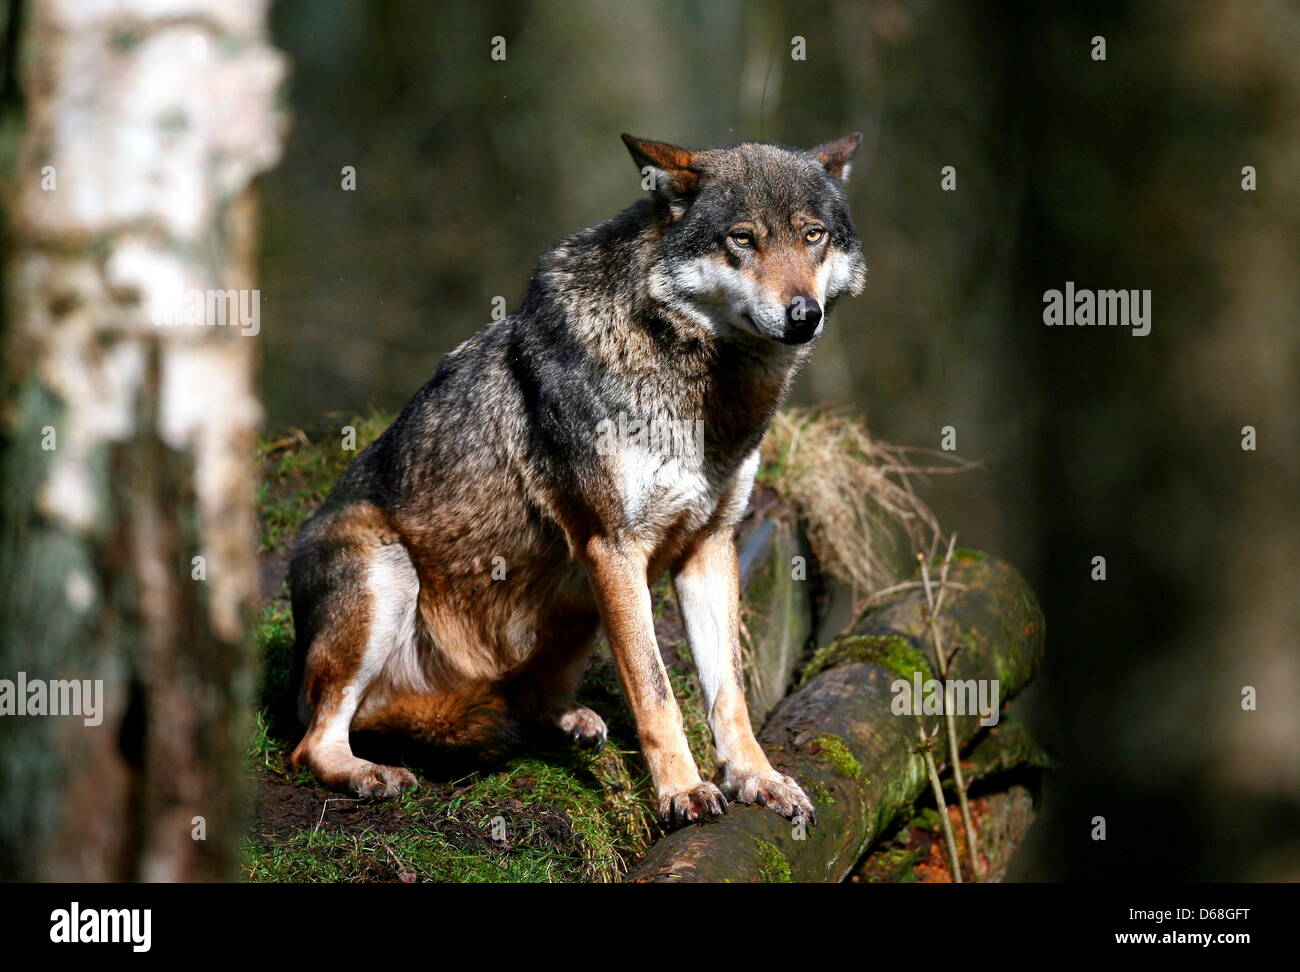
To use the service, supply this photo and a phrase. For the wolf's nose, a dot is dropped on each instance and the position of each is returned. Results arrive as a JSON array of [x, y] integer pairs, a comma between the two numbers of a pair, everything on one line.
[[802, 318], [803, 313]]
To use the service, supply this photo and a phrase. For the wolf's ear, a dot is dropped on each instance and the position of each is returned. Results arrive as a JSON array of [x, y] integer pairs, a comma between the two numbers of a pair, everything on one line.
[[673, 169], [837, 155]]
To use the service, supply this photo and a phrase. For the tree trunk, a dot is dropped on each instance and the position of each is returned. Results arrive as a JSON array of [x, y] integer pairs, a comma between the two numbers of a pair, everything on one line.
[[838, 736], [128, 523]]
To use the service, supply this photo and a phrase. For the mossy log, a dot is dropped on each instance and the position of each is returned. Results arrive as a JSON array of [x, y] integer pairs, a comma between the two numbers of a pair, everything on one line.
[[837, 733], [1004, 772]]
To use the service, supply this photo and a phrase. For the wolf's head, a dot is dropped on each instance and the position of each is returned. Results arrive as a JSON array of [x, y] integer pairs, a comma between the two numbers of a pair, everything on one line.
[[756, 238]]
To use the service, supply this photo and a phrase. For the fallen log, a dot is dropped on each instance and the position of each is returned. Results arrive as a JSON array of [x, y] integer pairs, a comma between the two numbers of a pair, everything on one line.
[[1005, 772], [918, 854], [838, 734]]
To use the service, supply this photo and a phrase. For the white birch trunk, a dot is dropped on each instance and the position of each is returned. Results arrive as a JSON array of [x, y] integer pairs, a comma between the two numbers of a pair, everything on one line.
[[128, 446]]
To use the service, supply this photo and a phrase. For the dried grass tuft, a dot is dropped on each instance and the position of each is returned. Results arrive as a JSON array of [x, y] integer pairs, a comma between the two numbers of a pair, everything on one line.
[[854, 494]]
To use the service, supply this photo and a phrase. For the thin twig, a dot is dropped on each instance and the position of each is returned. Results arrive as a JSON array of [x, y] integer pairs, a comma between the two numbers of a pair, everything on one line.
[[926, 749], [873, 599], [325, 806], [942, 660]]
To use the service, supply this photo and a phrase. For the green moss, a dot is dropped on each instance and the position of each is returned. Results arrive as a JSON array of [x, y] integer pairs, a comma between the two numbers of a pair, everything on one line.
[[603, 801], [927, 818], [889, 651], [839, 757], [773, 865], [819, 793], [422, 853], [890, 866]]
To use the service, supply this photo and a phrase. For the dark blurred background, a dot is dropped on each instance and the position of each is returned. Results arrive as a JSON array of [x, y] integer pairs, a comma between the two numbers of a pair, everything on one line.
[[1122, 173]]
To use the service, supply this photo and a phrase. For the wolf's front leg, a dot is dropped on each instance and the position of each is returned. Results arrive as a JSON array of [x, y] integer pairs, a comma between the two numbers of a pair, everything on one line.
[[618, 575], [707, 581]]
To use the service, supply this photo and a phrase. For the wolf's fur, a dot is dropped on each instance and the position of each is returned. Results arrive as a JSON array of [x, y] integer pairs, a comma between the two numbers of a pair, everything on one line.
[[454, 580]]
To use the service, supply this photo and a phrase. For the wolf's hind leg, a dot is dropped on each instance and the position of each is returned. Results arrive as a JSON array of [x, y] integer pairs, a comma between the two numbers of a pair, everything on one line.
[[545, 689], [369, 615], [584, 726]]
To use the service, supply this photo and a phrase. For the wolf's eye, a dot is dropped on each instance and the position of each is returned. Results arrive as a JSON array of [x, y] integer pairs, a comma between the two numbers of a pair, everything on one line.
[[814, 235], [741, 238]]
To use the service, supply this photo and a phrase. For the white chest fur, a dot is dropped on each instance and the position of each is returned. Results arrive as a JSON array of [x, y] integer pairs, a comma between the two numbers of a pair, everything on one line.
[[658, 490]]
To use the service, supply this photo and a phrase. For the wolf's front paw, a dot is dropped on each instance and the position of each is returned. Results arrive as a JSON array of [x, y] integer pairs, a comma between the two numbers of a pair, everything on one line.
[[380, 781], [584, 727], [688, 806], [772, 790]]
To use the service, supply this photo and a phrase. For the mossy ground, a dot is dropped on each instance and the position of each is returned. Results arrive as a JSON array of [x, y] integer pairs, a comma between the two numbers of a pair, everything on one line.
[[554, 814]]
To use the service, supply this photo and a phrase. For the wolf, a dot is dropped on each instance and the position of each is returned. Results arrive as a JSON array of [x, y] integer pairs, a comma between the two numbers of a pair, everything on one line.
[[454, 581]]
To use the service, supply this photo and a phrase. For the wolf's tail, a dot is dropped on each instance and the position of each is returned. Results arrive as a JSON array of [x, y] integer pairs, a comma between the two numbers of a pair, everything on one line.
[[473, 719]]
